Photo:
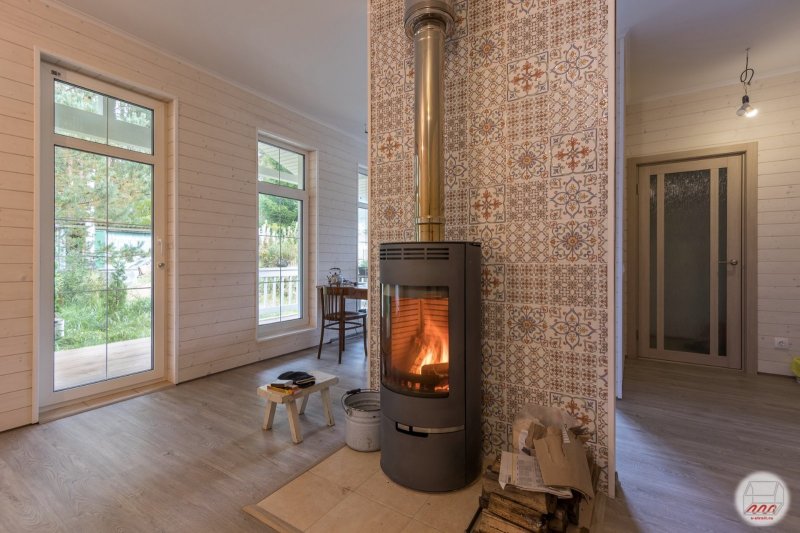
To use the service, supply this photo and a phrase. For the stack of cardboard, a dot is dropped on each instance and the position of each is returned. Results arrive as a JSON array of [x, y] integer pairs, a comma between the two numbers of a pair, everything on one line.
[[565, 481]]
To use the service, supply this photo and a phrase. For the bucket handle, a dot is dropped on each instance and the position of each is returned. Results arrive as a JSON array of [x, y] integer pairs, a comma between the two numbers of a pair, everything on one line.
[[350, 393]]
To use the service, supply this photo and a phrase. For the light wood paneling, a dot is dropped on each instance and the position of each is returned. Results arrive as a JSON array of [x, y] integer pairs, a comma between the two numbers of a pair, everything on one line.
[[211, 193], [707, 119]]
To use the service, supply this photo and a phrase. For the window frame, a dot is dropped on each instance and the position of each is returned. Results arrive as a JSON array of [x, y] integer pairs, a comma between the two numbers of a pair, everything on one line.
[[268, 330], [362, 171], [45, 232]]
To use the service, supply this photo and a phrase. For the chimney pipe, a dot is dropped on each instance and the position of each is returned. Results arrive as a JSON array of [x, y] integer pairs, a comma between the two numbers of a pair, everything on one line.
[[428, 23]]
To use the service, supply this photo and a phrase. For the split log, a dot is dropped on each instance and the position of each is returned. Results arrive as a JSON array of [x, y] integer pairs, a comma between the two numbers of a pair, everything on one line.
[[538, 501], [516, 513], [488, 522]]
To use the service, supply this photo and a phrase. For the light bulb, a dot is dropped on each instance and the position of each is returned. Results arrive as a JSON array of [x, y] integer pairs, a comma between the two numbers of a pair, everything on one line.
[[746, 110]]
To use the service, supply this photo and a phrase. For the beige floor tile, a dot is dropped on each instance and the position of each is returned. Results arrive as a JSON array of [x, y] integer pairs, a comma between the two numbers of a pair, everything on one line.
[[357, 514], [415, 526], [304, 500], [383, 490], [451, 511], [348, 468]]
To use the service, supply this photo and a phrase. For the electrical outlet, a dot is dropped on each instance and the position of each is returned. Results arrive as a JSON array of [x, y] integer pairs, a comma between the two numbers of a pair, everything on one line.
[[782, 343]]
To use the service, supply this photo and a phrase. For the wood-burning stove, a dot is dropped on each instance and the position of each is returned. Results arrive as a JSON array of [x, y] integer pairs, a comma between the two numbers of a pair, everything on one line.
[[430, 364]]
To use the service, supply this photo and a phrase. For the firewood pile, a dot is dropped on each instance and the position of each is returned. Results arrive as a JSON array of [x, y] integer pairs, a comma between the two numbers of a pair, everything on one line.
[[515, 510]]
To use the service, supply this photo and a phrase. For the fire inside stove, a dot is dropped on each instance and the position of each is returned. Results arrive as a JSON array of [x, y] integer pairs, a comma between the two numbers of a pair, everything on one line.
[[416, 342]]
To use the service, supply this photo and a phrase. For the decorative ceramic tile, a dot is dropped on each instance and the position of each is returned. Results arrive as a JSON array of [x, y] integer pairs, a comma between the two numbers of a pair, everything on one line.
[[526, 201], [487, 87], [493, 361], [528, 243], [571, 328], [527, 77], [390, 147], [527, 35], [528, 160], [408, 80], [456, 209], [487, 164], [492, 238], [528, 118], [493, 323], [576, 285], [525, 324], [493, 283], [455, 169], [485, 14], [574, 196], [573, 153], [583, 409], [487, 48], [527, 283], [389, 116], [574, 241], [527, 365], [522, 8], [461, 27], [572, 64], [573, 373], [486, 126], [493, 400], [487, 204], [576, 19]]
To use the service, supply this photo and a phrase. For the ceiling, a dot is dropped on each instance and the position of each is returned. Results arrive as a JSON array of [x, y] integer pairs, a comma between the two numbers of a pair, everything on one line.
[[675, 46], [308, 55], [311, 55]]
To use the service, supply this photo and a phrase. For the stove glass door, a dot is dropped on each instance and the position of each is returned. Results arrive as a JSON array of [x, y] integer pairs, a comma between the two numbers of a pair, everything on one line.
[[415, 356]]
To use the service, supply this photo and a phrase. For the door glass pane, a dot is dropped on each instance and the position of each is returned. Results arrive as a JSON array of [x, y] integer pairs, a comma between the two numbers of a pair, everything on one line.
[[686, 259], [103, 268], [653, 261], [279, 258], [95, 117], [415, 341], [723, 267]]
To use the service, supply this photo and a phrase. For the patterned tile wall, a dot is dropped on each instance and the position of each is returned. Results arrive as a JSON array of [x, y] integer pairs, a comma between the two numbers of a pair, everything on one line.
[[526, 150]]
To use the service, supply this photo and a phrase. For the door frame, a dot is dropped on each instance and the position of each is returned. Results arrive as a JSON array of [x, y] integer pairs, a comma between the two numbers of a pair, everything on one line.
[[43, 399], [749, 152]]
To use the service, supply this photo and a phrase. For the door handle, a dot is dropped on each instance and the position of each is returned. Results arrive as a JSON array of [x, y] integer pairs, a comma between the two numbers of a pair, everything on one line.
[[733, 262]]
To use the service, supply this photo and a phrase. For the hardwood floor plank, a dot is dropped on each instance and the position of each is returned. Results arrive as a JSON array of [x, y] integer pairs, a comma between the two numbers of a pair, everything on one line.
[[187, 458]]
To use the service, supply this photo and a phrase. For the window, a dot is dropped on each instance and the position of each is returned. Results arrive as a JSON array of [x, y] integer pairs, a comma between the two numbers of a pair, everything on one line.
[[282, 203], [101, 305], [362, 273]]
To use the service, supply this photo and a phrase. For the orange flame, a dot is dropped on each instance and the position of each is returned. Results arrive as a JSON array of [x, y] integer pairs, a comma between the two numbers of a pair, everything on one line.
[[432, 345]]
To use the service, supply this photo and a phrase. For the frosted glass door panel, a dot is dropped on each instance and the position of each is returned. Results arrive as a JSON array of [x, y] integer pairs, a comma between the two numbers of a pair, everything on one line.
[[687, 254]]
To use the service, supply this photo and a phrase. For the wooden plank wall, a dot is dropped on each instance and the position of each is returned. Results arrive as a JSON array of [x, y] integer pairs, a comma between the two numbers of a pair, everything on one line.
[[212, 129], [707, 118]]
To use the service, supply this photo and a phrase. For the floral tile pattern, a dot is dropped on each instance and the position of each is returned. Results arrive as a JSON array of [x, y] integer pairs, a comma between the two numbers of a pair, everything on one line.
[[527, 175], [527, 77]]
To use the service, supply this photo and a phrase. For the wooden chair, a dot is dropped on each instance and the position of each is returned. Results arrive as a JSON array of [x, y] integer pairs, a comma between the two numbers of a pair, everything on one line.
[[335, 316]]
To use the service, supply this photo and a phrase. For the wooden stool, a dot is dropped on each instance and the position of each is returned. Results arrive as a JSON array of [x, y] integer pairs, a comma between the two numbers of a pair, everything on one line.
[[323, 383]]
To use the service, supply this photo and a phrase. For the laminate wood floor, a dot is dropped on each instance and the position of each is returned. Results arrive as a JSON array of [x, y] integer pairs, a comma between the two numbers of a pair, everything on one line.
[[183, 459], [687, 435]]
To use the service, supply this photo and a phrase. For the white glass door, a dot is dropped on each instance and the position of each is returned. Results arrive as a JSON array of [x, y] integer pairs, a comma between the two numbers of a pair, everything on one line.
[[101, 246], [690, 261]]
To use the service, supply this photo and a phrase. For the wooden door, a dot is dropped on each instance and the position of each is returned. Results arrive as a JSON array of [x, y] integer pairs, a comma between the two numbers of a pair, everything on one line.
[[690, 261]]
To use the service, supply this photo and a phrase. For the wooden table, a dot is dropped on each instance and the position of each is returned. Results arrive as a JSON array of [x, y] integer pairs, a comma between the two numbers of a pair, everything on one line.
[[349, 292], [323, 384]]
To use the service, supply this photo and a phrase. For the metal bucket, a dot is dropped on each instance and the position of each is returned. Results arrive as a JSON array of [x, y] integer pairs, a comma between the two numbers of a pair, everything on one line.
[[362, 409]]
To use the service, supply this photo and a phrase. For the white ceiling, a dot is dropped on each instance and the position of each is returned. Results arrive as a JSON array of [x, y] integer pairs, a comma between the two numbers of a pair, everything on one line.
[[309, 55], [678, 45]]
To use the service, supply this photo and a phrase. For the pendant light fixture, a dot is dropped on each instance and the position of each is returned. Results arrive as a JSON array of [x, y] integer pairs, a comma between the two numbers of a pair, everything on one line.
[[746, 110]]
